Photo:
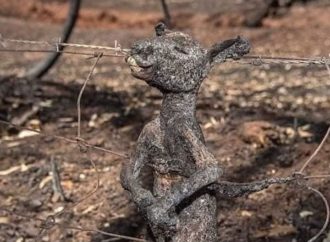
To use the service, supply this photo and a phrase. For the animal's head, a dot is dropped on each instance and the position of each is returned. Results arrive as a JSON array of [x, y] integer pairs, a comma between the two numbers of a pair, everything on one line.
[[174, 62]]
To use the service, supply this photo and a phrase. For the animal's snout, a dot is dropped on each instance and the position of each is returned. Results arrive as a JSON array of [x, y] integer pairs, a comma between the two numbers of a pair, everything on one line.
[[130, 60]]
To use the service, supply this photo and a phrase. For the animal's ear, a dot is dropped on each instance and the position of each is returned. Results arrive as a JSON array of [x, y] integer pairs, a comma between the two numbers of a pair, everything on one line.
[[161, 29], [228, 49]]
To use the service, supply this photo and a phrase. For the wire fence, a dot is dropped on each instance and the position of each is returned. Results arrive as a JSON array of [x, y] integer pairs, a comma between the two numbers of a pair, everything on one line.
[[50, 221], [98, 52], [118, 51]]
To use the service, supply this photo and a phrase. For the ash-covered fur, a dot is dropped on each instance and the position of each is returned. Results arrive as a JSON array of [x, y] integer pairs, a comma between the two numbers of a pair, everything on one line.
[[180, 207], [176, 61]]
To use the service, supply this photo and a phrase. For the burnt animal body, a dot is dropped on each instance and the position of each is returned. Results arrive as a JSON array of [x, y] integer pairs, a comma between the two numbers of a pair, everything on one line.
[[181, 206]]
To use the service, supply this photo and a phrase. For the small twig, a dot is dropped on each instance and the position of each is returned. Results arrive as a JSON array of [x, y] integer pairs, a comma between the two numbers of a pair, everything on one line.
[[50, 220], [26, 115], [109, 234], [90, 193], [326, 222], [109, 240], [57, 187], [82, 90]]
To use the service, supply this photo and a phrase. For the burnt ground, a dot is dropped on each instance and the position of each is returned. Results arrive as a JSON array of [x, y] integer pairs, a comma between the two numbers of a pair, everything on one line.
[[259, 121]]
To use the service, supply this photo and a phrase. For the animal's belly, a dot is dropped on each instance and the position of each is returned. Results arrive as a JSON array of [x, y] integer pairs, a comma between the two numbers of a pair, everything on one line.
[[176, 163], [198, 220], [164, 183]]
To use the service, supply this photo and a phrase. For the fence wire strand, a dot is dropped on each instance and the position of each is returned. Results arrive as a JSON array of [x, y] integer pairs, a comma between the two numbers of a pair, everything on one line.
[[262, 60], [117, 48], [118, 51], [326, 222], [317, 150], [89, 54], [82, 91]]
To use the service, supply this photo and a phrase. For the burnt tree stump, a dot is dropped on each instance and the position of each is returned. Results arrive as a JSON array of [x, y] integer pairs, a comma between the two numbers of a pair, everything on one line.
[[181, 206]]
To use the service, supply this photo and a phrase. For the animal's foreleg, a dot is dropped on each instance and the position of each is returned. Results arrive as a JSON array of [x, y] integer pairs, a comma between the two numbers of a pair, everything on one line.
[[130, 182], [161, 213]]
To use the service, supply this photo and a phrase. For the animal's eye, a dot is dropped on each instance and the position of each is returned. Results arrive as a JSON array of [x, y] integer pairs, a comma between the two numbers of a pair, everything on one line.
[[181, 50]]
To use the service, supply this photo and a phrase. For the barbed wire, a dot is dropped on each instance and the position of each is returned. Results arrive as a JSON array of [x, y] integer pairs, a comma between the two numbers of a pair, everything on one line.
[[117, 48], [256, 60], [90, 54]]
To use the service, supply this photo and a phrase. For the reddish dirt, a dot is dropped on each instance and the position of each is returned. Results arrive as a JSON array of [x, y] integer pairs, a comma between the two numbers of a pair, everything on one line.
[[258, 121]]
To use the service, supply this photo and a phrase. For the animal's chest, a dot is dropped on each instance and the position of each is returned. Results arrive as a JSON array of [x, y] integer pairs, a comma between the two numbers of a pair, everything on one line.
[[169, 144], [167, 147], [171, 152], [176, 146], [165, 152], [175, 141]]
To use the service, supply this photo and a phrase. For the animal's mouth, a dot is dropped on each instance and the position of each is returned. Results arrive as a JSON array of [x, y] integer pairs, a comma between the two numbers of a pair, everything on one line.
[[139, 70]]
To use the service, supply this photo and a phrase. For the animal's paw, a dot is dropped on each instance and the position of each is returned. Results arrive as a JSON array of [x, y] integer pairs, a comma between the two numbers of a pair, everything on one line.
[[144, 199], [161, 220]]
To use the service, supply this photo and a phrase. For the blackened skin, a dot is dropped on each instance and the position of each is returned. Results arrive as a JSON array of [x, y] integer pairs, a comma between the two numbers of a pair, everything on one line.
[[181, 207]]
